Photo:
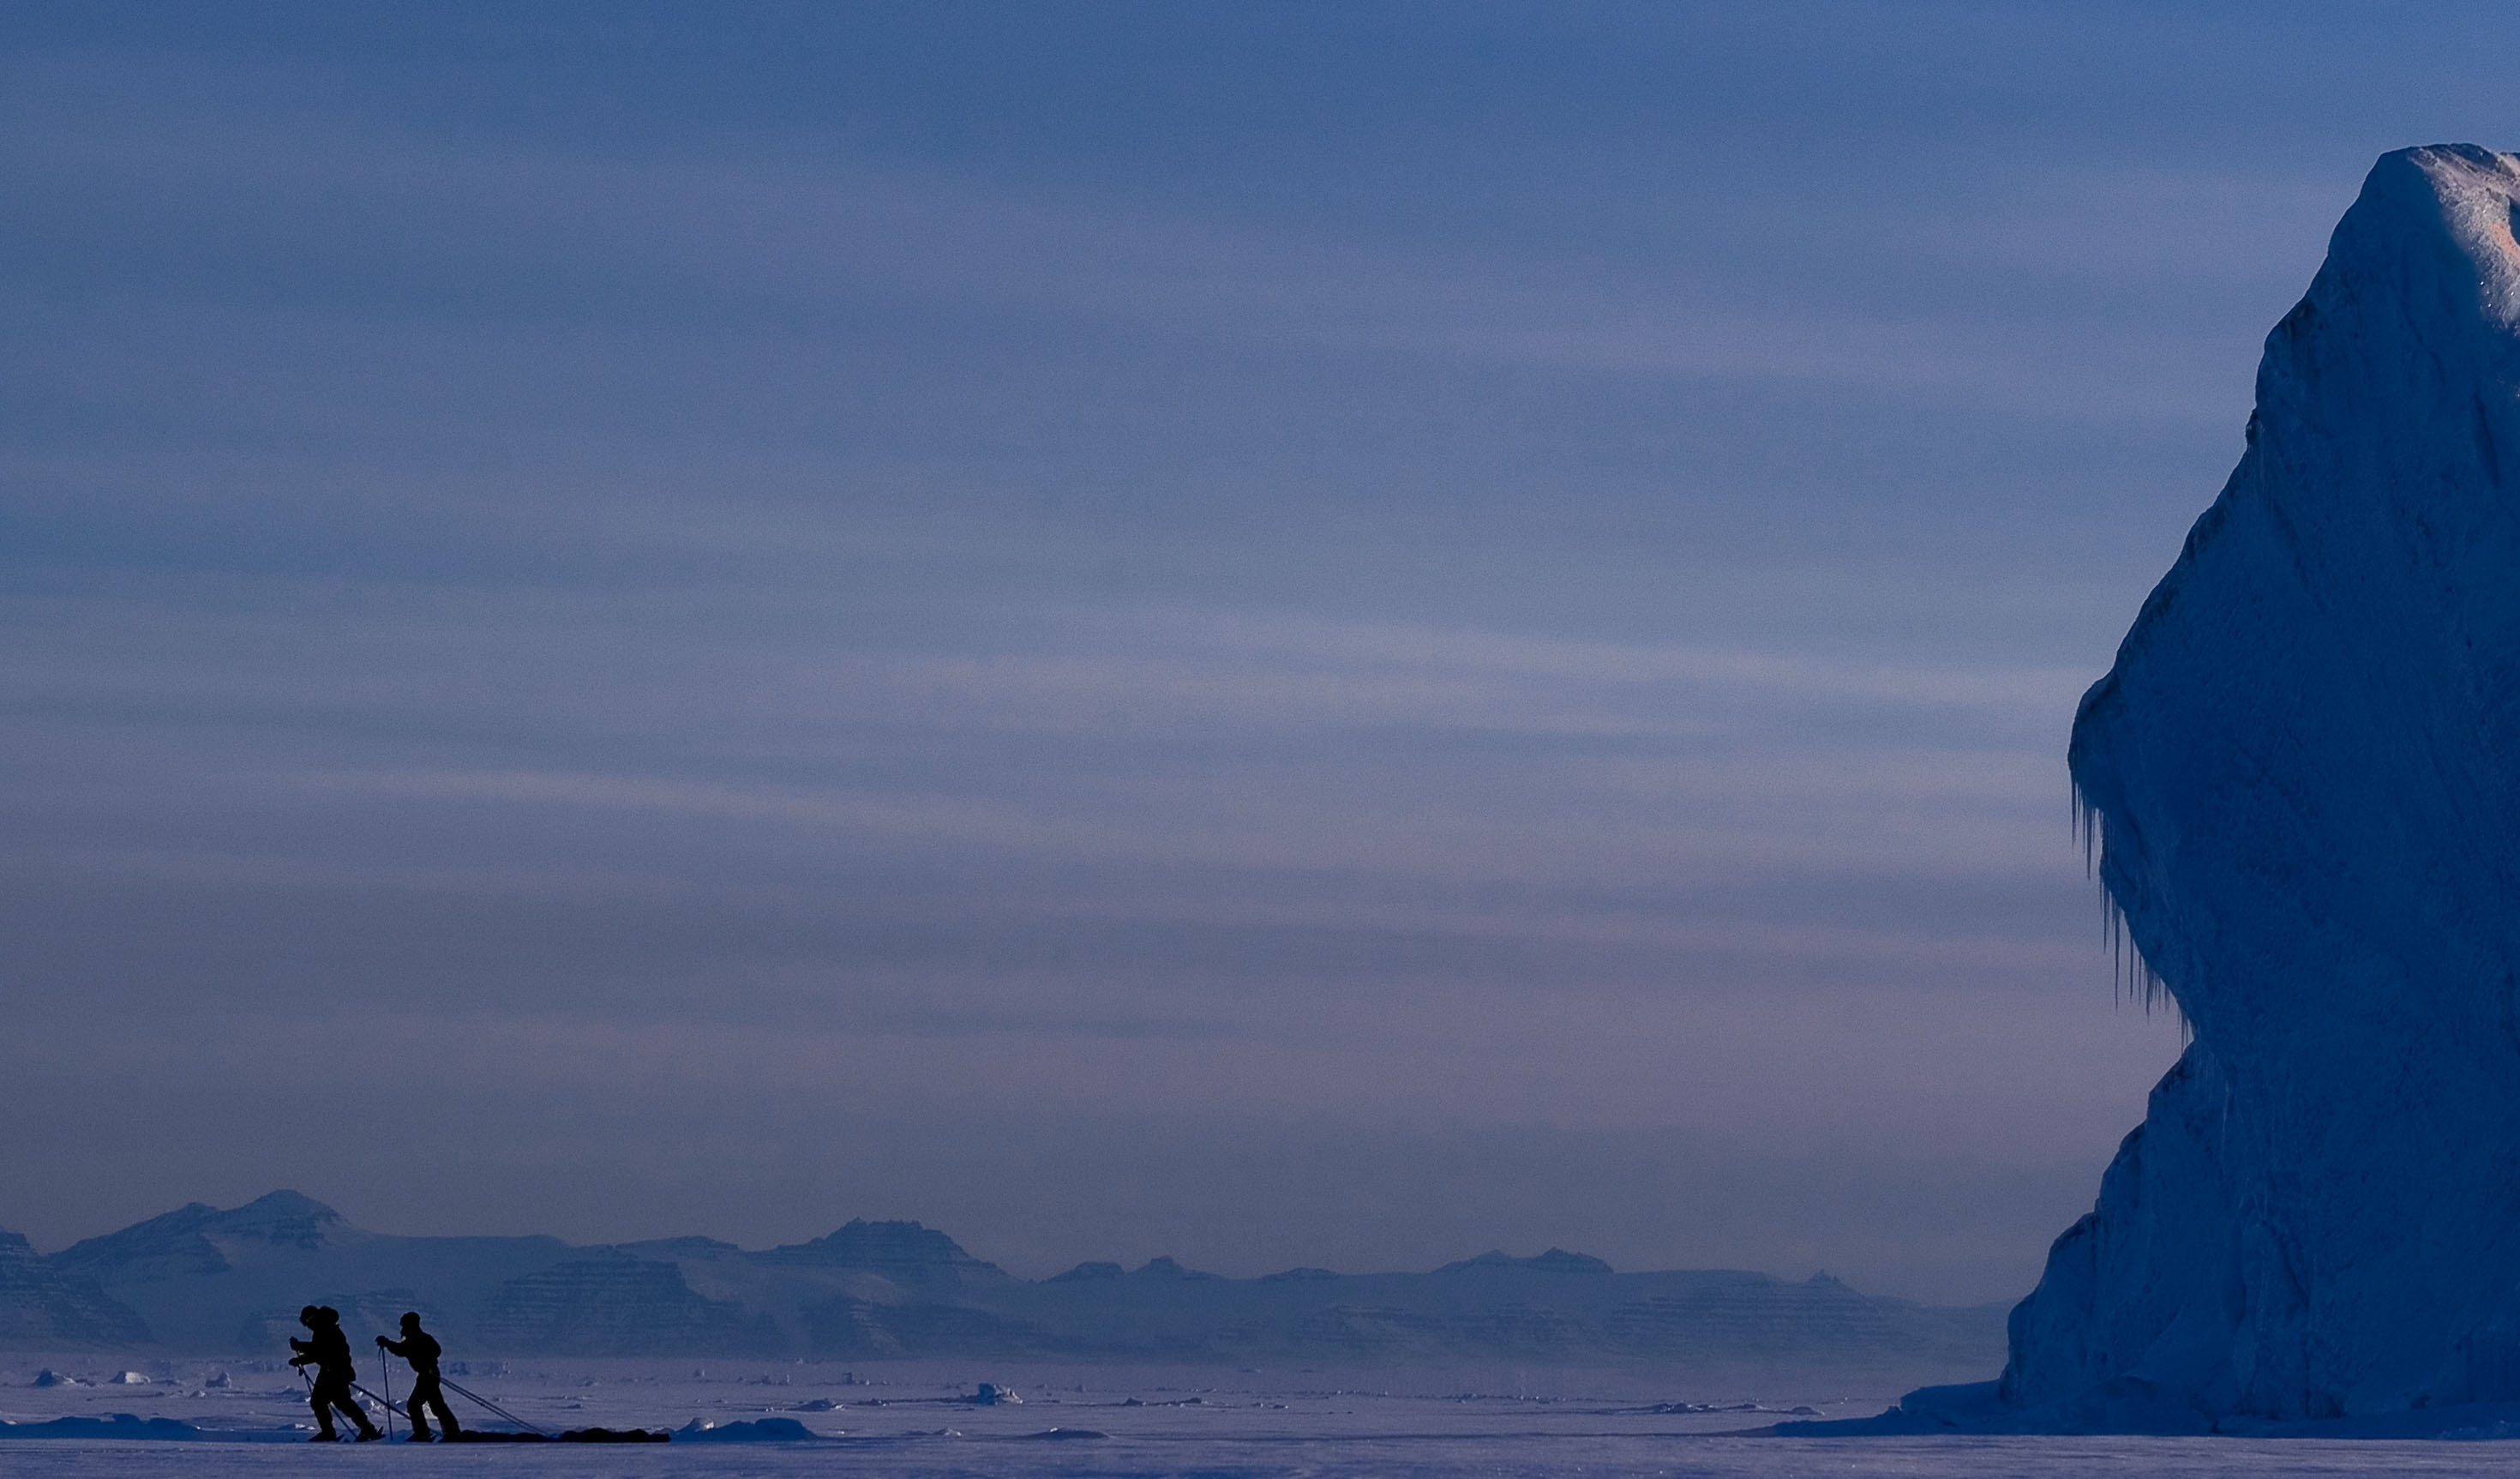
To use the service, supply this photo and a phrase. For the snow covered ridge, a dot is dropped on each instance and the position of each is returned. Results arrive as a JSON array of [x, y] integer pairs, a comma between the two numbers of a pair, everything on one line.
[[200, 1280], [2304, 772]]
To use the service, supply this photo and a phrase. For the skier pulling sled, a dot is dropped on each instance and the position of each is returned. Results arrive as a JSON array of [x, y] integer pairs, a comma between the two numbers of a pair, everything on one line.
[[421, 1350], [328, 1351]]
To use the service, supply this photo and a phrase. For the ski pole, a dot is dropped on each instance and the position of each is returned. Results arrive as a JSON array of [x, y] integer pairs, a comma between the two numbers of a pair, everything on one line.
[[469, 1394], [372, 1397], [323, 1415], [390, 1427]]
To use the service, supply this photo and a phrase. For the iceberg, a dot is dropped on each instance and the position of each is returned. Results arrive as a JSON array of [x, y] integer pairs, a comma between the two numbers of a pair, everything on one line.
[[2303, 778]]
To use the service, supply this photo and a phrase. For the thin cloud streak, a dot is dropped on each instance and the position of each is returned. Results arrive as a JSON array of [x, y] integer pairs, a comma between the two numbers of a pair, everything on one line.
[[605, 250]]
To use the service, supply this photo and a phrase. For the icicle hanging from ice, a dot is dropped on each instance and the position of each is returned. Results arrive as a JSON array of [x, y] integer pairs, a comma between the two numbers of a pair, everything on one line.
[[2131, 975]]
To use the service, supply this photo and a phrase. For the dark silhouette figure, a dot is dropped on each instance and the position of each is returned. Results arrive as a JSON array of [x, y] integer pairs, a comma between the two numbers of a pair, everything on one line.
[[328, 1351], [421, 1349]]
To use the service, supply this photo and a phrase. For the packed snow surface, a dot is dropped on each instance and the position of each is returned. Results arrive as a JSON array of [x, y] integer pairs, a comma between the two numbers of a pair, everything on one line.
[[917, 1420], [2304, 774]]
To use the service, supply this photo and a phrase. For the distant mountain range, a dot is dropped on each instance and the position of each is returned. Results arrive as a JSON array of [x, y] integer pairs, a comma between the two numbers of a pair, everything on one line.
[[200, 1280]]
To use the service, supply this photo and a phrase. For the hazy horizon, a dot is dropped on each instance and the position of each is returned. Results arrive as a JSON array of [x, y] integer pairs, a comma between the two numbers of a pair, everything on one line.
[[1029, 1274]]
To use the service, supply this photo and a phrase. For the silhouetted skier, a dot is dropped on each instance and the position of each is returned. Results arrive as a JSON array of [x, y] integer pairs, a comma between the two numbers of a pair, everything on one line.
[[328, 1351], [421, 1349]]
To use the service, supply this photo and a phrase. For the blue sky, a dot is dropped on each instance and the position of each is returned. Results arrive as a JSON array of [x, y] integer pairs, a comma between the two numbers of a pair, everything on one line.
[[1279, 633]]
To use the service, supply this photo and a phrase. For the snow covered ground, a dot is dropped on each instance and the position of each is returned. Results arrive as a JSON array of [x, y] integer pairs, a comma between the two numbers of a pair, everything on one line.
[[911, 1419]]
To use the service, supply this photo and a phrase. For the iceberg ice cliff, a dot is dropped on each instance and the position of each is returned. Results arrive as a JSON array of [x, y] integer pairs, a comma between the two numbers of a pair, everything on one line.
[[2303, 771]]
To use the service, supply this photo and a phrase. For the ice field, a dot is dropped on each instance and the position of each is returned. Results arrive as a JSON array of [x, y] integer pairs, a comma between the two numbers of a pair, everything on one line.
[[913, 1419]]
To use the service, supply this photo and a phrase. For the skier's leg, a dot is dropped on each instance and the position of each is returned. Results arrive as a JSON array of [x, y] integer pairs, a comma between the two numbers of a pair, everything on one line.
[[445, 1414], [343, 1399]]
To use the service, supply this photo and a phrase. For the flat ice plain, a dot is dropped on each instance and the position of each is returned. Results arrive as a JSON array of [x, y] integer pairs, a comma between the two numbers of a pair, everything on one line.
[[905, 1419]]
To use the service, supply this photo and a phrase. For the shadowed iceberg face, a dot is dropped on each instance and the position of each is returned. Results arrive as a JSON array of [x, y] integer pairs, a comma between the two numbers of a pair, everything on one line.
[[2303, 771]]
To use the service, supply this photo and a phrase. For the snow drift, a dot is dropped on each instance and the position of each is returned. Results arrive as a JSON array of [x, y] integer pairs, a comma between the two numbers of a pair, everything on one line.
[[2303, 771]]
